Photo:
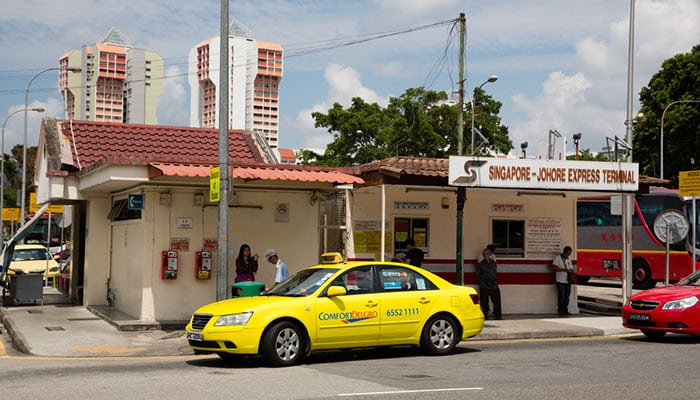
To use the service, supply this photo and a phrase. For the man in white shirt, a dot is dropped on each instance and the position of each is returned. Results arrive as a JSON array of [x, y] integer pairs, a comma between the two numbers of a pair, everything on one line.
[[562, 265], [282, 271]]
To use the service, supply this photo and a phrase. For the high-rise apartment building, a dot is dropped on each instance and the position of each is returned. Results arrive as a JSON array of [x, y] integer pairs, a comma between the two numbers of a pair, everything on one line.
[[255, 72], [116, 82]]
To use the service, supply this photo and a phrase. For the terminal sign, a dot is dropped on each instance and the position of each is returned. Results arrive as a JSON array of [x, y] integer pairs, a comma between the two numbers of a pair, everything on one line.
[[509, 173], [689, 183]]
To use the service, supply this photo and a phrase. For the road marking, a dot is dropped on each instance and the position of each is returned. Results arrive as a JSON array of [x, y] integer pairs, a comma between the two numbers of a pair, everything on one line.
[[3, 352], [410, 391]]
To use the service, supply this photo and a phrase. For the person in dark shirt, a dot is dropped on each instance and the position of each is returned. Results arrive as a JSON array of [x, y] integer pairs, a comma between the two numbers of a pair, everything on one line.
[[488, 286], [414, 256]]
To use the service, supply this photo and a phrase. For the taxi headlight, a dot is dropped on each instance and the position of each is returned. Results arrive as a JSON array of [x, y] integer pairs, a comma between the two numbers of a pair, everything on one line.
[[234, 319], [681, 304]]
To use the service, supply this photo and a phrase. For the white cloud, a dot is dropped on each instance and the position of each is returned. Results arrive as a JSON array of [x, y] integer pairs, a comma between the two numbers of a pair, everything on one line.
[[344, 83], [173, 103], [592, 99]]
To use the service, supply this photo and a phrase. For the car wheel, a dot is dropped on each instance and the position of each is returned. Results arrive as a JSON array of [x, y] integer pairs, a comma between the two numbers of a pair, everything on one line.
[[653, 334], [283, 344], [641, 275], [440, 335]]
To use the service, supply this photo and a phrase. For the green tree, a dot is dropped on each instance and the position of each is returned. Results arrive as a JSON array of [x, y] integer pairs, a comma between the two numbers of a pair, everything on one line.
[[678, 80], [587, 155], [419, 123]]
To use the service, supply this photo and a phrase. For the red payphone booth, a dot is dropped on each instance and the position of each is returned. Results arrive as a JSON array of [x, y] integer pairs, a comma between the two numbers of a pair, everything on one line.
[[202, 269], [168, 268]]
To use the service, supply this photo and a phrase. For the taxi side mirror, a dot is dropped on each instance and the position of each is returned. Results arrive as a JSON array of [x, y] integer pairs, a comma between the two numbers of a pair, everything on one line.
[[336, 291]]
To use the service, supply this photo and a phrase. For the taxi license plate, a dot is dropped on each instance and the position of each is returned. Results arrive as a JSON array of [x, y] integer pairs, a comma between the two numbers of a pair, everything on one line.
[[638, 317], [197, 336]]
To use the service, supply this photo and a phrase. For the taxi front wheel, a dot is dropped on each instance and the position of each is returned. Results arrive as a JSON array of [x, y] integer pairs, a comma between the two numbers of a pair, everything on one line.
[[440, 335], [282, 344]]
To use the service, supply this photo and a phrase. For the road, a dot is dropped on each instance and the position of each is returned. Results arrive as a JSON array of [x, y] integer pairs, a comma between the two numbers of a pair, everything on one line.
[[628, 367]]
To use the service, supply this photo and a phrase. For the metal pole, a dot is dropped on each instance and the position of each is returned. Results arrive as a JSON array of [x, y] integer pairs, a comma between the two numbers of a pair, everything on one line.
[[382, 229], [2, 169], [668, 249], [661, 147], [695, 232], [24, 142], [627, 206], [461, 190], [222, 232]]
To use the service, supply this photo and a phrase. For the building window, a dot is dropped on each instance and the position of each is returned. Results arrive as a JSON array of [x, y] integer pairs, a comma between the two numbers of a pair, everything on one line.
[[120, 211], [507, 236], [416, 228]]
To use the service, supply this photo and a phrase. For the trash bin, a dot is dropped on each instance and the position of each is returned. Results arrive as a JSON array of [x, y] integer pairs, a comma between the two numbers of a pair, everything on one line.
[[27, 287], [247, 289]]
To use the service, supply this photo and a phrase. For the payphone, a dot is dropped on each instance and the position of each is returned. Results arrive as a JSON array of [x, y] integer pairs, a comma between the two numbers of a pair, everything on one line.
[[168, 268], [202, 269]]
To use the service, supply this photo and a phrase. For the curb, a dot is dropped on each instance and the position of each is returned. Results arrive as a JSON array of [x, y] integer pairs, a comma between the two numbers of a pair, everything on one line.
[[17, 338]]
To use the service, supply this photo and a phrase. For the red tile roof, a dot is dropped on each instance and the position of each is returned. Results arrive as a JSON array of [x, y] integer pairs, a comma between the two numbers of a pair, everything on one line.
[[282, 172], [427, 167], [98, 143], [287, 154]]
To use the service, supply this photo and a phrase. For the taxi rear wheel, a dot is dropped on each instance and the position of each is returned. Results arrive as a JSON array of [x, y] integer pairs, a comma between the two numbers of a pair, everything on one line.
[[440, 335], [283, 344]]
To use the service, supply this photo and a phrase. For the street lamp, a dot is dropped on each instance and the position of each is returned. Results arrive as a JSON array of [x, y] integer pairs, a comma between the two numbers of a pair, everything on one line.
[[24, 142], [492, 78], [577, 138], [661, 147], [523, 146], [2, 164]]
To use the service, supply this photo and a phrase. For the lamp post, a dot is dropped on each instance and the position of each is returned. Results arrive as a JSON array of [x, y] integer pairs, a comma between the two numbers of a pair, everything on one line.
[[2, 164], [492, 78], [577, 138], [661, 146], [24, 142]]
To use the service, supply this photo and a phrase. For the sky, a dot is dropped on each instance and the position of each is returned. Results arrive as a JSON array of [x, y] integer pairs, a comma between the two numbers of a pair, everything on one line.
[[561, 64]]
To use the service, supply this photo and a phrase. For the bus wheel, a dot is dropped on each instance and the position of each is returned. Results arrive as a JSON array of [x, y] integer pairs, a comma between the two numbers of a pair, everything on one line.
[[641, 275], [582, 280]]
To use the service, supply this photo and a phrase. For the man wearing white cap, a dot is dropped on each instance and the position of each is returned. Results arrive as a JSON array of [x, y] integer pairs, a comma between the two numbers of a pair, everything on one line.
[[282, 271]]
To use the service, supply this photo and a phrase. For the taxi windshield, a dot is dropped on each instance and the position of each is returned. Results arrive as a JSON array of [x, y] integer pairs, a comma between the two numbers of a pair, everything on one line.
[[303, 283]]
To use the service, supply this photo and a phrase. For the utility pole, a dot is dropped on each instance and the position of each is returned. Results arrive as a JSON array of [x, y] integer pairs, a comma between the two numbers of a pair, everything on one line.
[[222, 231], [627, 199], [461, 190]]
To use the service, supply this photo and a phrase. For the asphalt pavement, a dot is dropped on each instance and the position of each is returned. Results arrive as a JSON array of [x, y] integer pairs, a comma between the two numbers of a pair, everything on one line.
[[57, 329]]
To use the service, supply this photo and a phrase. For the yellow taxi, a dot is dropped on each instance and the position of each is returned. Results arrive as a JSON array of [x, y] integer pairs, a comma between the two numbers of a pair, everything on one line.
[[340, 305], [33, 259]]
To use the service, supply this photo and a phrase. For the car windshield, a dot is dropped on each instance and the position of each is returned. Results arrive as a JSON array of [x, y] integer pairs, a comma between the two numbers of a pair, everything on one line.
[[691, 280], [30, 255], [303, 283]]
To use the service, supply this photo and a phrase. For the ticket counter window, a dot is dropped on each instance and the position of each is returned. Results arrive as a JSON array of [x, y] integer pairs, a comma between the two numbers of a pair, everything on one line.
[[508, 237]]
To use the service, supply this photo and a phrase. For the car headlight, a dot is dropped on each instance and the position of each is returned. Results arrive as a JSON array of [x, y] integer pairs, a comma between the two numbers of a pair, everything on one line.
[[234, 319], [681, 304]]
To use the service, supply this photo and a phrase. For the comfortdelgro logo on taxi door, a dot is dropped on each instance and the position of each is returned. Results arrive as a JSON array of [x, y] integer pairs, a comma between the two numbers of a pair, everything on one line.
[[348, 317]]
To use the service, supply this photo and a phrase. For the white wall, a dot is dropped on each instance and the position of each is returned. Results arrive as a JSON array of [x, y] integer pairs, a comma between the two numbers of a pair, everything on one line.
[[137, 247], [481, 208]]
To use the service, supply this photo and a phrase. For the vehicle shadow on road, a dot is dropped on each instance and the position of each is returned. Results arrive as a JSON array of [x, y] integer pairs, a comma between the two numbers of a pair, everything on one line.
[[322, 357], [668, 338]]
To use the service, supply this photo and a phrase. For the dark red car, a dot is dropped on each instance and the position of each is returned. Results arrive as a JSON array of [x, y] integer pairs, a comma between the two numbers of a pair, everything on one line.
[[674, 308]]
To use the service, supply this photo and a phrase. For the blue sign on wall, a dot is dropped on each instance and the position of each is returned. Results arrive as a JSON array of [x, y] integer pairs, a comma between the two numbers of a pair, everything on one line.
[[135, 202]]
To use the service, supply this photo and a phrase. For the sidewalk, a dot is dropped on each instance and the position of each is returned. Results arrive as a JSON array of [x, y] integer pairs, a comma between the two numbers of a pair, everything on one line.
[[63, 330]]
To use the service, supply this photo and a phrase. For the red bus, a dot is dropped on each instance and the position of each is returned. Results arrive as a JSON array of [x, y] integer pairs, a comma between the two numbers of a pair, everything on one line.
[[599, 240]]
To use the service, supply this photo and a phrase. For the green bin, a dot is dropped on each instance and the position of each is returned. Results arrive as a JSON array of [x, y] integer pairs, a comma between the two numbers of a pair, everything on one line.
[[247, 289]]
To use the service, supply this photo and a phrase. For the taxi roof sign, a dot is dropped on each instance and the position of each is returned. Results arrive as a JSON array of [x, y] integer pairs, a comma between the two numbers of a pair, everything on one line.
[[331, 258]]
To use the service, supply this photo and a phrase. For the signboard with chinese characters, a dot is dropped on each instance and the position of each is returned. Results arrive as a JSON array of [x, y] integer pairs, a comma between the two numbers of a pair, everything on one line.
[[516, 173], [689, 183]]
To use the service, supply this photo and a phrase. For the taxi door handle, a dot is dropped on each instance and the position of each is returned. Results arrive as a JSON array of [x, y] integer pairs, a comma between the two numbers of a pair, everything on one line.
[[424, 300], [371, 304]]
